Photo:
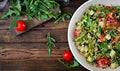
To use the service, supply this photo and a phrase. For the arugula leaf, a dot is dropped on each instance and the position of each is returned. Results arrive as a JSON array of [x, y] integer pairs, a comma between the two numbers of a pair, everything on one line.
[[68, 64], [13, 22], [103, 45], [79, 39], [75, 64], [63, 16], [118, 47], [50, 43], [41, 9], [18, 5], [92, 8]]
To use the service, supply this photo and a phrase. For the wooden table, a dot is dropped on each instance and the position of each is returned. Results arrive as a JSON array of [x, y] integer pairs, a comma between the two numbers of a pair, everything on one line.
[[28, 52]]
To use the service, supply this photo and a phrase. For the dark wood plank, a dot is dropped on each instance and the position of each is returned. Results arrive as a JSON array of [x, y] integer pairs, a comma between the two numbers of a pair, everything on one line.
[[33, 36], [72, 6], [36, 65], [22, 56], [20, 51], [28, 52]]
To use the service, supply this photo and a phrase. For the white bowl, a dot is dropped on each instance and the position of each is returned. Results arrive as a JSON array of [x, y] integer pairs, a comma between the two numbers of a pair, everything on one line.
[[71, 28]]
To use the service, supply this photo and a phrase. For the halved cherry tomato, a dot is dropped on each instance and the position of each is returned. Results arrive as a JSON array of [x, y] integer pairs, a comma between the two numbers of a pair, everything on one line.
[[67, 55], [116, 24], [21, 25], [103, 62], [111, 20], [76, 32], [108, 6]]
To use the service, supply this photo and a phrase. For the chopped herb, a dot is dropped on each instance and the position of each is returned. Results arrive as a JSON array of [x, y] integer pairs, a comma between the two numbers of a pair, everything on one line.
[[50, 43], [118, 47], [69, 65]]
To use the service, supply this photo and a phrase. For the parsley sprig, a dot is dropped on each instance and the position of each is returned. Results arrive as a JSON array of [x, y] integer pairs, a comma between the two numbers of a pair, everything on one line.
[[50, 43], [69, 65]]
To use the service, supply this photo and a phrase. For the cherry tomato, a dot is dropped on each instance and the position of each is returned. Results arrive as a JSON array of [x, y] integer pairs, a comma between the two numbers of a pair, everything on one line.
[[103, 62], [108, 7], [116, 24], [76, 33], [67, 55], [21, 25], [111, 20]]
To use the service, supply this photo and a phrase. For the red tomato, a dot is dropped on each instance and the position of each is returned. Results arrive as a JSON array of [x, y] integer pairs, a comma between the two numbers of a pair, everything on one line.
[[108, 6], [76, 32], [67, 55], [111, 20], [116, 24], [21, 25], [83, 31], [103, 62]]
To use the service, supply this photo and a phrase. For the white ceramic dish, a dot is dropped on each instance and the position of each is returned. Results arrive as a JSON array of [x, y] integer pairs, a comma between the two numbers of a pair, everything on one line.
[[71, 28], [3, 3]]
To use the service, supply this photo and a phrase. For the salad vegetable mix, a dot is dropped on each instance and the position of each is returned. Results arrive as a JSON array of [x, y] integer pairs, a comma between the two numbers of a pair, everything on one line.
[[97, 36]]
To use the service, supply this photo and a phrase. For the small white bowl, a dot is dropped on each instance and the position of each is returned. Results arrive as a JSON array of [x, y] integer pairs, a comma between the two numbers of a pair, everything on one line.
[[71, 28]]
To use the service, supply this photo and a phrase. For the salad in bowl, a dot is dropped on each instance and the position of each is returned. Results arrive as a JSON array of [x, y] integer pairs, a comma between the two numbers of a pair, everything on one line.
[[94, 35]]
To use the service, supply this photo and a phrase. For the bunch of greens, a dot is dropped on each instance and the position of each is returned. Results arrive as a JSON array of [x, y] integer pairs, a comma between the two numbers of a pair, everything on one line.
[[50, 43], [40, 9]]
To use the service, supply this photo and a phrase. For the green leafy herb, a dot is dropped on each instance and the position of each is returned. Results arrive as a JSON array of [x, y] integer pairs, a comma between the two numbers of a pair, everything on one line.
[[50, 43], [63, 16], [92, 8], [40, 9], [79, 38], [103, 45], [69, 65], [118, 47], [13, 22]]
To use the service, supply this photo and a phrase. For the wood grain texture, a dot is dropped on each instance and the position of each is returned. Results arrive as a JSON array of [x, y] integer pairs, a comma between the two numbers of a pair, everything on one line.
[[28, 52]]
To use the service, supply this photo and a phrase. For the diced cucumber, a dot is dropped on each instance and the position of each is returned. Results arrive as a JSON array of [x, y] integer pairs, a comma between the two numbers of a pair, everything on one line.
[[118, 29], [101, 23], [78, 27], [91, 12], [89, 59], [112, 53], [82, 49], [86, 49], [89, 36], [108, 37], [114, 65], [96, 49], [98, 34]]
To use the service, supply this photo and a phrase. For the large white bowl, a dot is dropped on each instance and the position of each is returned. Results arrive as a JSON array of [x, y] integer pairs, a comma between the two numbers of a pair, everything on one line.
[[71, 28]]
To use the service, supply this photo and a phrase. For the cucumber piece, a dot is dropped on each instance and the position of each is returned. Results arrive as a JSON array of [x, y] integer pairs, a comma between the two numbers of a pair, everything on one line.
[[89, 59], [82, 49], [108, 37], [118, 29], [91, 12], [112, 53], [114, 65]]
